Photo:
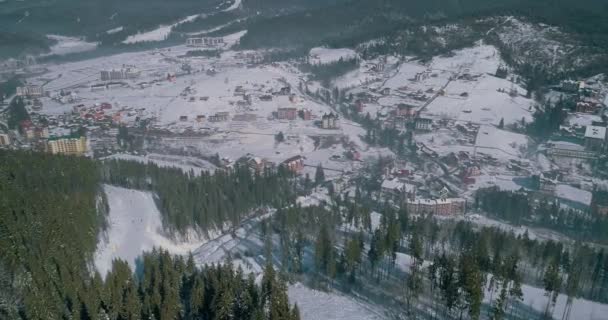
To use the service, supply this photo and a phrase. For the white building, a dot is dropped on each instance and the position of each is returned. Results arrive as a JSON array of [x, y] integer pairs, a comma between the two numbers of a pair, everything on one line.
[[30, 91], [120, 74], [205, 42], [563, 149], [5, 140], [424, 124], [595, 137], [329, 121]]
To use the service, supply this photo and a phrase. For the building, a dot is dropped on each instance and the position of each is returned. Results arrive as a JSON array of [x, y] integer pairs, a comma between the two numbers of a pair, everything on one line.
[[306, 114], [205, 42], [569, 150], [443, 207], [405, 110], [120, 74], [586, 107], [287, 113], [247, 117], [41, 133], [37, 106], [98, 87], [595, 138], [329, 121], [423, 124], [472, 171], [398, 190], [68, 145], [256, 164], [5, 140], [200, 118], [30, 91], [26, 128], [294, 164], [219, 117]]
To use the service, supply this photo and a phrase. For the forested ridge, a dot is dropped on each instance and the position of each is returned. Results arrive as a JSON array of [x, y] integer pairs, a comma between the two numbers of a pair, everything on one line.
[[52, 209]]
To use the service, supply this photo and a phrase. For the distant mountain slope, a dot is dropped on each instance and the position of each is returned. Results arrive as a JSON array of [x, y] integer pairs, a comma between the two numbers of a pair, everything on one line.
[[360, 18], [299, 24], [24, 24]]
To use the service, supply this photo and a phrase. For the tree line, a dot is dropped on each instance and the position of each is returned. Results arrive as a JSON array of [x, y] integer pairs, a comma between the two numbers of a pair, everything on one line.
[[207, 201], [51, 211], [518, 209], [171, 287]]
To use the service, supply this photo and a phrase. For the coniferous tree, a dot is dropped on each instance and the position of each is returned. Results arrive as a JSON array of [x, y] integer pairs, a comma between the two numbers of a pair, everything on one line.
[[414, 279], [552, 285], [319, 175]]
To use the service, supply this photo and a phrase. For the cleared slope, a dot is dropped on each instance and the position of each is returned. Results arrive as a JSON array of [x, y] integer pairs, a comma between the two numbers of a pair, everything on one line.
[[134, 226]]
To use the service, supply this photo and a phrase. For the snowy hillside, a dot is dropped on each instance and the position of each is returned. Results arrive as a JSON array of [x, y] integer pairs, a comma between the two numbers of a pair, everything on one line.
[[134, 226], [319, 56]]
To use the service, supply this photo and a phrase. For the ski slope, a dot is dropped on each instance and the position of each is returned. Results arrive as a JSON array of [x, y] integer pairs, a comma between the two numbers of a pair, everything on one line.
[[135, 226]]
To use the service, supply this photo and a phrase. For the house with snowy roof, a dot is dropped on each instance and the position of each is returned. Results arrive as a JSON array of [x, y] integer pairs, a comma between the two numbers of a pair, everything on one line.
[[398, 190], [595, 137]]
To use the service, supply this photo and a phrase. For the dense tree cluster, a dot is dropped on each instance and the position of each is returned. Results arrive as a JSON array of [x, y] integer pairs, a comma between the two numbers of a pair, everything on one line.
[[460, 265], [16, 113], [9, 87], [519, 209], [328, 71], [51, 211], [173, 288], [207, 201], [548, 119]]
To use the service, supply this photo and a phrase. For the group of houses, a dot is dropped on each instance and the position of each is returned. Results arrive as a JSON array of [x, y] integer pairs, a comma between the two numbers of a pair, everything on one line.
[[39, 135]]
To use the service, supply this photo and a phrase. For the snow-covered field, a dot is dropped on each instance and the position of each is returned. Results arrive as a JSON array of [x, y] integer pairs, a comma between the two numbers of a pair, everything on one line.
[[322, 55], [570, 193], [316, 305], [500, 143], [235, 5], [66, 45], [159, 34], [581, 309], [134, 226]]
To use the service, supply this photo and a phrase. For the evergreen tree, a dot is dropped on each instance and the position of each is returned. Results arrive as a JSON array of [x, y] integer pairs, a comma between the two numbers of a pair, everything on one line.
[[552, 285], [414, 280], [319, 175]]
